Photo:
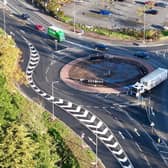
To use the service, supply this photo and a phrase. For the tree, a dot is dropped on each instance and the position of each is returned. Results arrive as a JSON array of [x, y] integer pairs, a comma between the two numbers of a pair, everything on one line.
[[17, 149]]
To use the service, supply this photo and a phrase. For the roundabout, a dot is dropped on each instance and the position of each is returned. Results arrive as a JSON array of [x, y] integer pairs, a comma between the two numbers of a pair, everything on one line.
[[104, 73]]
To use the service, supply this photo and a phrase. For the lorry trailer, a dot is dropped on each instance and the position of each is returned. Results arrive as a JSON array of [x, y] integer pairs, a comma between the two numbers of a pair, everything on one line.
[[150, 81]]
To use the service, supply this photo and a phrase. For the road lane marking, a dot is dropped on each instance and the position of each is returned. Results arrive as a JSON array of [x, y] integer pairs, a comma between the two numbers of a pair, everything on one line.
[[138, 146]]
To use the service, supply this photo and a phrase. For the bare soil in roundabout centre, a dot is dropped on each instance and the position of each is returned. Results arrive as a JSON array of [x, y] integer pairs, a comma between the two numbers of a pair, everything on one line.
[[105, 72]]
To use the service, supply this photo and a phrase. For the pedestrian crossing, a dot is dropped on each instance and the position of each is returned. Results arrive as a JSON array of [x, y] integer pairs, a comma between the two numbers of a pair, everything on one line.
[[85, 117]]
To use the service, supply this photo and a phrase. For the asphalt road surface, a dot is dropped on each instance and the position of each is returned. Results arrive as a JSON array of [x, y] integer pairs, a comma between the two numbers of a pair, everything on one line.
[[123, 116]]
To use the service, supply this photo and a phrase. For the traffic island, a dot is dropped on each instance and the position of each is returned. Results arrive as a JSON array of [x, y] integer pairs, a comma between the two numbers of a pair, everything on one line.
[[104, 73]]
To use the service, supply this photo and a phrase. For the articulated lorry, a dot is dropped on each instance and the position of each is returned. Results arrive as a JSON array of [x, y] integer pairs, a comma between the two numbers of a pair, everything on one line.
[[150, 81]]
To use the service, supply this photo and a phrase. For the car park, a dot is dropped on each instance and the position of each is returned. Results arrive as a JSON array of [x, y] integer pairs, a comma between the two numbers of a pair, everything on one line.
[[142, 54], [151, 11], [39, 27], [100, 47], [25, 16]]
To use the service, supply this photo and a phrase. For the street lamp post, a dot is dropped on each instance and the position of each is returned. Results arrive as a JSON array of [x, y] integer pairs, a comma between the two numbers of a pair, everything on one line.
[[53, 116], [96, 149]]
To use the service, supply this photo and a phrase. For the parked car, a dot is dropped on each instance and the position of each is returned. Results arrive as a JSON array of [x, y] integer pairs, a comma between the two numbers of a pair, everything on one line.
[[142, 54], [151, 11], [161, 4], [39, 27], [100, 47], [159, 27], [25, 16], [165, 27]]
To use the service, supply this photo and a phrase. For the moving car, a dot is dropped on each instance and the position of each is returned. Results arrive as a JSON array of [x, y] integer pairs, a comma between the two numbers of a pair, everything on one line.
[[100, 47], [142, 54], [151, 11], [39, 27], [25, 16]]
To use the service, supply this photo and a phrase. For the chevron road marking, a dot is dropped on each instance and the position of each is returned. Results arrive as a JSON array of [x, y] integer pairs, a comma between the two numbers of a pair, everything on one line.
[[60, 101], [69, 104], [102, 132], [33, 63], [86, 112], [100, 123], [43, 94], [130, 166], [119, 152], [114, 145], [37, 89], [107, 139], [89, 121], [34, 58], [123, 160], [74, 110]]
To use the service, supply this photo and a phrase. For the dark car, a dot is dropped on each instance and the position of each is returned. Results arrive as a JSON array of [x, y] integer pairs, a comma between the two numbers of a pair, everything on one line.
[[100, 47], [160, 4], [151, 11], [25, 16], [142, 54]]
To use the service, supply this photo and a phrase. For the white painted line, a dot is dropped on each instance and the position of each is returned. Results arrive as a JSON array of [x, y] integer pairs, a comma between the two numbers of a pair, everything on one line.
[[120, 133], [100, 123], [147, 161], [89, 121], [69, 105], [136, 131], [106, 139], [82, 115], [129, 134], [118, 152], [138, 146], [91, 140], [75, 111], [60, 101], [101, 132], [123, 160], [112, 145]]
